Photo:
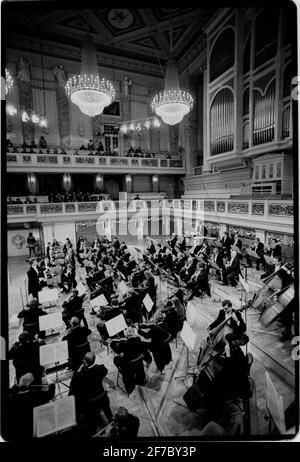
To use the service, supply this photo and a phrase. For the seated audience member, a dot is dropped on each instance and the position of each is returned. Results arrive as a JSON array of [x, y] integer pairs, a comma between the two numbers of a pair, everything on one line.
[[127, 351], [25, 356], [125, 425], [42, 143], [72, 306], [86, 385], [90, 145], [22, 399], [30, 315]]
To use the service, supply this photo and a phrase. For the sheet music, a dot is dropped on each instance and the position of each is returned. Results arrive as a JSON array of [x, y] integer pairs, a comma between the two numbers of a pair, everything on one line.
[[48, 295], [44, 420], [116, 325], [123, 287], [47, 355], [148, 302], [81, 289], [66, 415], [188, 336], [99, 301], [53, 417], [54, 353], [51, 321]]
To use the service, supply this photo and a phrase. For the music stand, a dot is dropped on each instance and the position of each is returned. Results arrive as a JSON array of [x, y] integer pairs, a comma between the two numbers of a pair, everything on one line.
[[54, 417], [57, 354], [189, 337]]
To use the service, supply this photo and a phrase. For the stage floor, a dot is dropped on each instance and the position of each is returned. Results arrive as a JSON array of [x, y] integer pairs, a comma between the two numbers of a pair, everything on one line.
[[157, 404]]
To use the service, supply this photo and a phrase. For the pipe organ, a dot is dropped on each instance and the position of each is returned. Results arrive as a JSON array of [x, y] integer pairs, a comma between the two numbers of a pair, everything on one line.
[[264, 115], [222, 122]]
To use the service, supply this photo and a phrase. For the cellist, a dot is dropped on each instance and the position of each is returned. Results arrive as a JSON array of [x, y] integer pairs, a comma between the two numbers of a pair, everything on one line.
[[235, 324]]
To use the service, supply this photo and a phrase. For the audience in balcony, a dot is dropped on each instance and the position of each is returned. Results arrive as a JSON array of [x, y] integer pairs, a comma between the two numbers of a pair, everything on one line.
[[99, 151], [42, 142]]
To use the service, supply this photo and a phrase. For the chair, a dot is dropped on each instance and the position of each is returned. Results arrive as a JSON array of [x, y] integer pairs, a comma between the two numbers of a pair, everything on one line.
[[131, 364]]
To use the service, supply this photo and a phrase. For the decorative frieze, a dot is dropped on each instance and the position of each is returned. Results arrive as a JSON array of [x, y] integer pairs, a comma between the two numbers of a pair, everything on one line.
[[238, 207], [258, 209], [281, 210], [209, 206], [51, 208], [220, 206]]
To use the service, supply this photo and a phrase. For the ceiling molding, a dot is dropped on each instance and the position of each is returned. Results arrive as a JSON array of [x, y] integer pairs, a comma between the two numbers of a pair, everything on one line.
[[71, 53]]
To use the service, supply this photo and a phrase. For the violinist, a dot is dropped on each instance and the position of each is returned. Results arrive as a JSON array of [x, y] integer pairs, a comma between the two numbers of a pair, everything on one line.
[[187, 271], [104, 286], [199, 281], [130, 266], [226, 245], [116, 244], [80, 249], [171, 319], [107, 313], [179, 262], [167, 261], [172, 241], [237, 241], [218, 260], [151, 248], [204, 252], [258, 247], [159, 345], [128, 350], [233, 270], [274, 250], [131, 303], [234, 323]]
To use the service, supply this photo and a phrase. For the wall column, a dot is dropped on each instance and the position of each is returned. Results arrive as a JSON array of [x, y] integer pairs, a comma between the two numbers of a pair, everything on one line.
[[32, 183], [99, 181], [128, 183], [67, 181], [155, 183]]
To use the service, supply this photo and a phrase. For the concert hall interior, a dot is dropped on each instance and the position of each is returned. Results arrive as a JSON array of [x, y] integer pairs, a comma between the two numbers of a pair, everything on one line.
[[148, 185]]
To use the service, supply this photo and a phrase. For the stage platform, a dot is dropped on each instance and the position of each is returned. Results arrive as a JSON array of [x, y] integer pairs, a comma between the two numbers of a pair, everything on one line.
[[157, 404]]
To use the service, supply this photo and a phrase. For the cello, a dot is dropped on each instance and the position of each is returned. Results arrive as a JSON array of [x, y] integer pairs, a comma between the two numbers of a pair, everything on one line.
[[215, 343]]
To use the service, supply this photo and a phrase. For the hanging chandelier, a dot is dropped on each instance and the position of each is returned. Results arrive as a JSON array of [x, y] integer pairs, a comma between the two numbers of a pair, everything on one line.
[[90, 93], [173, 104], [8, 81]]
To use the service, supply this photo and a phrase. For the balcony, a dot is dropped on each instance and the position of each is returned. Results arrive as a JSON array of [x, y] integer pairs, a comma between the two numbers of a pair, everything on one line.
[[18, 162], [270, 215]]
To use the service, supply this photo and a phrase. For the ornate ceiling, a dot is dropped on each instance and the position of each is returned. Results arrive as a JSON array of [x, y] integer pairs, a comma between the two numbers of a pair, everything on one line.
[[141, 34]]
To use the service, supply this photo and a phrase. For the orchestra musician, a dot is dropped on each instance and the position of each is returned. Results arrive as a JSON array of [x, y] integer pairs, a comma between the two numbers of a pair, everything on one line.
[[33, 275], [159, 345], [199, 281], [231, 273], [226, 245], [72, 306], [258, 247], [218, 260], [129, 349], [274, 249], [189, 268], [235, 324], [237, 241]]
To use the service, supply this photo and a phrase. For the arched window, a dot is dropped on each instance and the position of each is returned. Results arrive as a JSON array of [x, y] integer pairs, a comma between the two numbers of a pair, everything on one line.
[[266, 32], [247, 55], [264, 115], [222, 122], [222, 55]]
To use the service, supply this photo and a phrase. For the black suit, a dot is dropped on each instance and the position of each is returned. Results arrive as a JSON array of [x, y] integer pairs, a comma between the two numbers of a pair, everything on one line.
[[226, 245], [237, 329], [71, 307], [25, 357], [161, 351], [130, 349], [200, 282], [31, 318], [86, 385], [33, 282], [77, 336], [231, 274], [259, 249], [20, 410]]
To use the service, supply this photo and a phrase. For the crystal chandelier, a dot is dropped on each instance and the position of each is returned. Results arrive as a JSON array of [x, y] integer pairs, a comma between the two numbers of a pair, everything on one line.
[[8, 81], [173, 104], [86, 90]]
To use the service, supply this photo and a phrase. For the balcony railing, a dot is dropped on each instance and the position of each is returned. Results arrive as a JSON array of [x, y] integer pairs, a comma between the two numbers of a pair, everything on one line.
[[79, 161], [253, 209]]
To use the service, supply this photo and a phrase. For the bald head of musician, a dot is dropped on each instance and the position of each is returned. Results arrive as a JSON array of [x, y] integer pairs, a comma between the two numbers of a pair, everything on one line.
[[26, 380], [89, 359], [75, 322]]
